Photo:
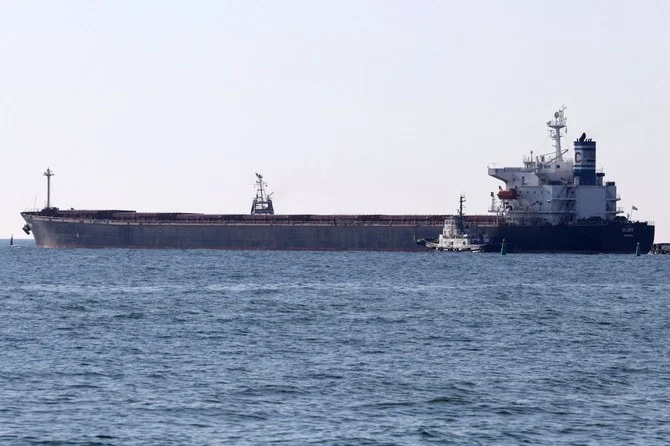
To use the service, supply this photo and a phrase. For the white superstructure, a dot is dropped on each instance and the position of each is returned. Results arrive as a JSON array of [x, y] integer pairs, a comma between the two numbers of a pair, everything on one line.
[[452, 239], [453, 236], [552, 189]]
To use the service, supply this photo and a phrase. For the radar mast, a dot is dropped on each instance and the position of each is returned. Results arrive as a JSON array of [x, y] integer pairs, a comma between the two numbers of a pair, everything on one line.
[[559, 122], [461, 220]]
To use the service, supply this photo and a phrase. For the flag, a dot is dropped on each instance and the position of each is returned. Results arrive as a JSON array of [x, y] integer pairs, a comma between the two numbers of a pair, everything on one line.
[[634, 208]]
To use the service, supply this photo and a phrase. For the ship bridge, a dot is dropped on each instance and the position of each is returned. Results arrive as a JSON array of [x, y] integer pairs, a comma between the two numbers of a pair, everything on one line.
[[535, 173], [553, 189], [515, 176]]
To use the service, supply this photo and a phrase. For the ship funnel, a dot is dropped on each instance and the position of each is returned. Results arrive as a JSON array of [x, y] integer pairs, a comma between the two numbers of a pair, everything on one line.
[[585, 161]]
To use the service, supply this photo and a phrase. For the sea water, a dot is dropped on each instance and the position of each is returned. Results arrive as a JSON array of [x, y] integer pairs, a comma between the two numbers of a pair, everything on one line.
[[170, 347]]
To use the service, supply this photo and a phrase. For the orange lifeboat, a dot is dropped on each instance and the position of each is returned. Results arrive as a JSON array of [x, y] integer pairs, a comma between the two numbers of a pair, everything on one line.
[[507, 194]]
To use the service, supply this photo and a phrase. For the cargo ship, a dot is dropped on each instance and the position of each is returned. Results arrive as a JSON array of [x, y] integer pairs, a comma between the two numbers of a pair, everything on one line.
[[553, 203], [260, 229], [550, 204]]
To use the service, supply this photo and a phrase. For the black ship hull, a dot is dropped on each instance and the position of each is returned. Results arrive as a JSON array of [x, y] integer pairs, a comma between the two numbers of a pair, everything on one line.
[[614, 237], [127, 229]]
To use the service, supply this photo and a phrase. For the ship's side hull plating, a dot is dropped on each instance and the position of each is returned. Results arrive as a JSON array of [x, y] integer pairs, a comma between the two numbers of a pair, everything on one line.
[[69, 234], [303, 234], [616, 237]]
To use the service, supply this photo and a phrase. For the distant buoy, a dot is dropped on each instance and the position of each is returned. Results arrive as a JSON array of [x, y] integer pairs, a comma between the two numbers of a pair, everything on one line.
[[637, 249], [503, 248]]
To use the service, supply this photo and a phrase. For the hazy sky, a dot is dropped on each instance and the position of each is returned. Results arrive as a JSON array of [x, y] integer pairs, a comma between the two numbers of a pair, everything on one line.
[[344, 106]]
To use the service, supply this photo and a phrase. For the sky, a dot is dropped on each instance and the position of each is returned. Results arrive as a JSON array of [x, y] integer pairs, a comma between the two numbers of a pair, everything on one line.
[[393, 107]]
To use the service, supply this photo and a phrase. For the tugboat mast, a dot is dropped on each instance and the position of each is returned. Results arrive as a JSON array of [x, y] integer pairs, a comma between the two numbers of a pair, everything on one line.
[[461, 223], [556, 125], [49, 174]]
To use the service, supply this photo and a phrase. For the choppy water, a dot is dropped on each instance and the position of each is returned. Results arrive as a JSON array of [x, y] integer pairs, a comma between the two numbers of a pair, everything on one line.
[[117, 347]]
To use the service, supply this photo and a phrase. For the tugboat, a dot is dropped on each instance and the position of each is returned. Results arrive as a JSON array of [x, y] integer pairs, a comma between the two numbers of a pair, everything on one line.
[[454, 237]]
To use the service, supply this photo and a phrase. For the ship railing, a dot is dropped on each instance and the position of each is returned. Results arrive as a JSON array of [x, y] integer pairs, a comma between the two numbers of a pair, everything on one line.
[[294, 220], [507, 169], [590, 223], [483, 225], [529, 222], [524, 222]]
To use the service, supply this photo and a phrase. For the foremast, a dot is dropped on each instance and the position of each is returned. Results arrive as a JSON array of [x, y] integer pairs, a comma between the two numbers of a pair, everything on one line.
[[262, 204], [49, 173]]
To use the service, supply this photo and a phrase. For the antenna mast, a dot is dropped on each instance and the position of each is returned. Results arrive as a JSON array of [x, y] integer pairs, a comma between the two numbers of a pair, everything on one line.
[[48, 174], [559, 122], [461, 225], [262, 203]]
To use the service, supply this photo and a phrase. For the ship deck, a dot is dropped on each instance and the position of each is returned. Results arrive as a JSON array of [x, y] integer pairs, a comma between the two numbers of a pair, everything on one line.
[[132, 217]]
